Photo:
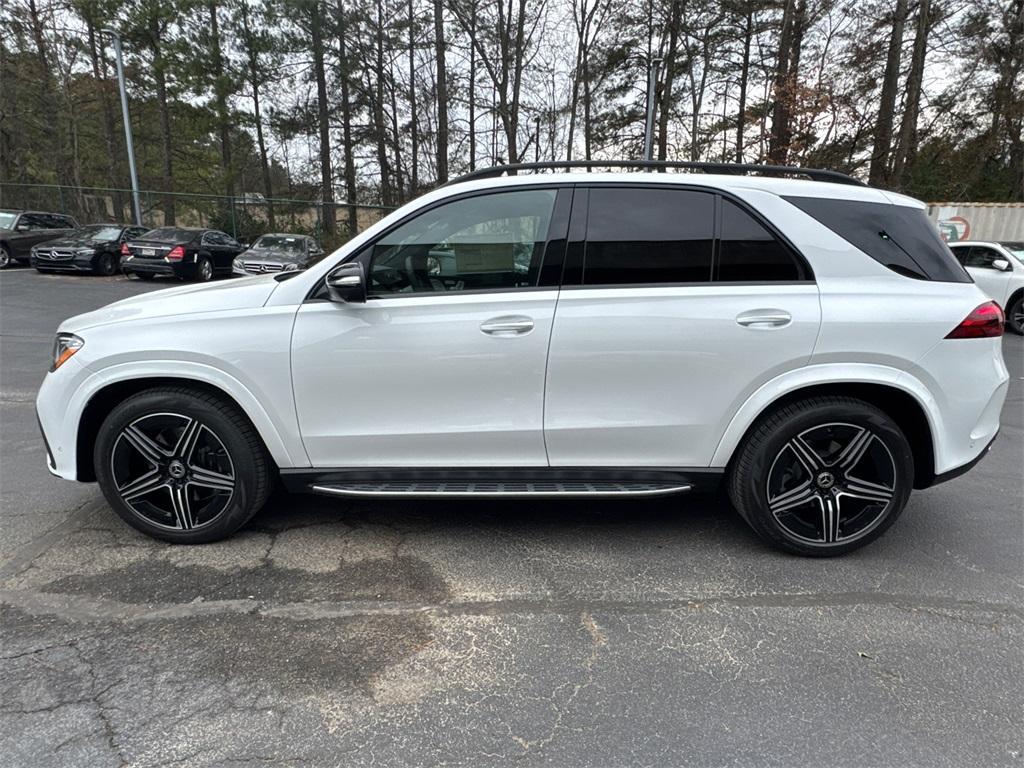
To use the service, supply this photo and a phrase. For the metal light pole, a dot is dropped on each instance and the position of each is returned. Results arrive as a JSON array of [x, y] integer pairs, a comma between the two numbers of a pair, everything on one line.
[[136, 205], [536, 149], [652, 83]]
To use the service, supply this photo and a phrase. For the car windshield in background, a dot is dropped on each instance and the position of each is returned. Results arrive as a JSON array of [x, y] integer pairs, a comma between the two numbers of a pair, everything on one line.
[[1016, 248], [7, 219], [169, 235], [98, 233], [278, 243]]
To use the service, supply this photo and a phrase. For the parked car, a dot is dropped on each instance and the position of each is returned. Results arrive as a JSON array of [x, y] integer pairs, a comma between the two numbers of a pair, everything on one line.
[[998, 269], [278, 253], [812, 345], [95, 248], [187, 253], [20, 230]]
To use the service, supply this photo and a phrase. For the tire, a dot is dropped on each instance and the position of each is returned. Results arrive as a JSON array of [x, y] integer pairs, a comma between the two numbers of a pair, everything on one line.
[[147, 276], [5, 257], [204, 269], [181, 465], [106, 264], [1015, 315], [835, 489]]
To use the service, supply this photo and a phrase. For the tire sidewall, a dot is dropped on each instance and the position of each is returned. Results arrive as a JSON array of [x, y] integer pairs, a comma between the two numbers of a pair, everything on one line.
[[754, 484], [204, 261], [106, 265], [5, 257], [1015, 307], [240, 507]]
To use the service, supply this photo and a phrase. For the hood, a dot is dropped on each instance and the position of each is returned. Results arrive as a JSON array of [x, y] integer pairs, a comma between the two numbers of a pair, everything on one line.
[[72, 242], [243, 293], [277, 255]]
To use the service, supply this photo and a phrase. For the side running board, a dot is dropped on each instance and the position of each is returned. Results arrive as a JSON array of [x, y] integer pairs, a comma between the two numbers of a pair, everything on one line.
[[503, 489]]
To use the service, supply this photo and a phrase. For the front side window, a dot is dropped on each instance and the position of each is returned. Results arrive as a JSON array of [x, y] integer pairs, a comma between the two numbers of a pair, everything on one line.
[[749, 252], [486, 242], [639, 235], [33, 221], [979, 256]]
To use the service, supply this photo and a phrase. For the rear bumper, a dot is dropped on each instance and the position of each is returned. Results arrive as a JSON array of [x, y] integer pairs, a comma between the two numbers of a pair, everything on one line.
[[182, 269], [963, 468]]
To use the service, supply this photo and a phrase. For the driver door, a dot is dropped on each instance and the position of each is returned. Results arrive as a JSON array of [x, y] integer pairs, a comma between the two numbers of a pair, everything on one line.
[[444, 364]]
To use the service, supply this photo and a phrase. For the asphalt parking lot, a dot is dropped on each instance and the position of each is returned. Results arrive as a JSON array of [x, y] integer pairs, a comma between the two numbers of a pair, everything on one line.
[[637, 633]]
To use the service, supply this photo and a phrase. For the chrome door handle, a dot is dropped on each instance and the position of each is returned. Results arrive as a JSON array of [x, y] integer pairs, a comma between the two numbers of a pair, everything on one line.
[[508, 325], [764, 318]]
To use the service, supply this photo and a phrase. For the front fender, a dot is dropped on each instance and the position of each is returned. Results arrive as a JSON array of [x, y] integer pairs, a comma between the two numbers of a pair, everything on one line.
[[280, 438]]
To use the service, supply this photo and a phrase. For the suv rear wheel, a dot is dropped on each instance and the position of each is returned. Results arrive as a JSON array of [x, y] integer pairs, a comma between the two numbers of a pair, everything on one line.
[[822, 476], [181, 465]]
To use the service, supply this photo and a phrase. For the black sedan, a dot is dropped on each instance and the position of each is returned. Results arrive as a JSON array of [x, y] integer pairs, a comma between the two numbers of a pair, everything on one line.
[[95, 248], [187, 253], [278, 253]]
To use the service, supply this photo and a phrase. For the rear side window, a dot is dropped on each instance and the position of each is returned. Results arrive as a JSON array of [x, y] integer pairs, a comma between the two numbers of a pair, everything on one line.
[[749, 252], [637, 236], [896, 236]]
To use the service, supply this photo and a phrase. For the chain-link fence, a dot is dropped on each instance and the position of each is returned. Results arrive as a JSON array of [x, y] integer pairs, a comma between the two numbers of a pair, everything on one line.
[[245, 216]]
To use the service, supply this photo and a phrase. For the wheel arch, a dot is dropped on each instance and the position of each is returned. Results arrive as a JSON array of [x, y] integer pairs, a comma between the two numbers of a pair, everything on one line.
[[901, 405], [103, 401]]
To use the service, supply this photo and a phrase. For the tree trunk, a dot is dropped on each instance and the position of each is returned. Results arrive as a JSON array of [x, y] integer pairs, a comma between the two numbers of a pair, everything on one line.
[[220, 94], [160, 77], [906, 147], [414, 173], [346, 123], [326, 174], [780, 108], [442, 97], [472, 96], [878, 174], [109, 129], [254, 82], [741, 115], [378, 113], [665, 102]]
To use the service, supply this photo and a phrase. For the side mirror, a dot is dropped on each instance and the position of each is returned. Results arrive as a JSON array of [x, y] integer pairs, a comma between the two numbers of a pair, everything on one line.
[[1001, 264], [347, 284]]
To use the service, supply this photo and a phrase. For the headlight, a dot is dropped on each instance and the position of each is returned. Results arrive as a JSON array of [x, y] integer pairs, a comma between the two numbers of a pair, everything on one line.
[[237, 265], [290, 267], [64, 347], [85, 252]]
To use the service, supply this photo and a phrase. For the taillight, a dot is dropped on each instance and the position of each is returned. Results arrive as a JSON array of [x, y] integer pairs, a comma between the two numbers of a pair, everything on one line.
[[177, 253], [984, 322], [125, 250]]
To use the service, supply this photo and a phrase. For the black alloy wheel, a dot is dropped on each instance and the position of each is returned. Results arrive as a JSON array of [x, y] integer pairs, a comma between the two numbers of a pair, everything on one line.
[[181, 465], [822, 476]]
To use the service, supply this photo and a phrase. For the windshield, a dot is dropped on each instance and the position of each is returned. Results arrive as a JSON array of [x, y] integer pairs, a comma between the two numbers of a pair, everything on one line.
[[278, 243], [96, 233], [7, 219], [1016, 248]]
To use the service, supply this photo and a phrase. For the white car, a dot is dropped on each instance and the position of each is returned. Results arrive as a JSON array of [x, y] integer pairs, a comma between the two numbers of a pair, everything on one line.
[[810, 343], [998, 269]]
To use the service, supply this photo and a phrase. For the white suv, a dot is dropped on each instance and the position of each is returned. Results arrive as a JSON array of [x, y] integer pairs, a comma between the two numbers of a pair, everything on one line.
[[998, 269], [811, 344]]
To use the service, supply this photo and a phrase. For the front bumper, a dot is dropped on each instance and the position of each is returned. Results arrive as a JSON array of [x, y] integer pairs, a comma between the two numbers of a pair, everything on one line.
[[57, 414], [75, 264]]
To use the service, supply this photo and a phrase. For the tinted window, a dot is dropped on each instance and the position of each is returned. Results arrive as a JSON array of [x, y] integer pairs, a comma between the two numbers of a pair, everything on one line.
[[748, 251], [637, 235], [899, 237], [170, 235], [33, 221], [491, 241], [65, 222], [979, 256]]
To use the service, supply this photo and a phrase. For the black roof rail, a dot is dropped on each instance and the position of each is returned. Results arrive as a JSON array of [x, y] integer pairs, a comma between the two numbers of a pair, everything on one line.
[[815, 174]]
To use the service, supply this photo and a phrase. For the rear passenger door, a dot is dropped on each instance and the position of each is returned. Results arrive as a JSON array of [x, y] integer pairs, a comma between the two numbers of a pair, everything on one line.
[[676, 305]]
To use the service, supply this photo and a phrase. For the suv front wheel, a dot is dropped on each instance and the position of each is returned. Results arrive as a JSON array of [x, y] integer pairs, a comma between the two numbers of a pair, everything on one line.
[[181, 465], [822, 476]]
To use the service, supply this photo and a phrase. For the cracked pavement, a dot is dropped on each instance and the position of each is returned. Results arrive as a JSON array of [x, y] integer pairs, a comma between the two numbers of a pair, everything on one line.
[[655, 632]]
